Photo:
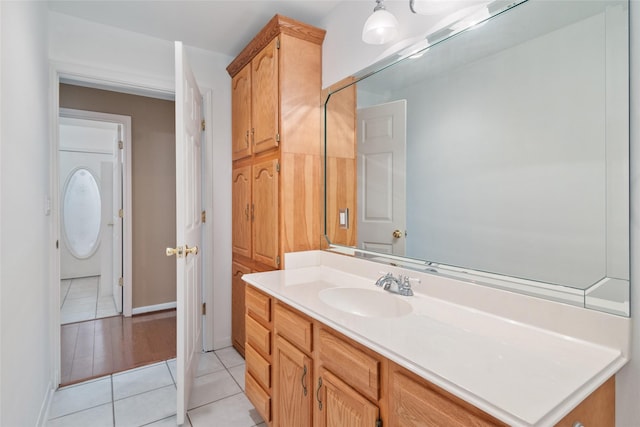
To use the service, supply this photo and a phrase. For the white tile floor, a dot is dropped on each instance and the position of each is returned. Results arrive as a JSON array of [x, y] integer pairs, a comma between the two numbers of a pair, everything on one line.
[[80, 300], [147, 397]]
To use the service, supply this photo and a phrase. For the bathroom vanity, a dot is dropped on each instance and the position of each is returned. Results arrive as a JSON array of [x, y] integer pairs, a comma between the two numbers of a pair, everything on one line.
[[325, 345]]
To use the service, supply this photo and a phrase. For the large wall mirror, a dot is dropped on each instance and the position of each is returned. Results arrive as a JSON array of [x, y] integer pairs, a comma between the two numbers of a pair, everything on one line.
[[496, 153]]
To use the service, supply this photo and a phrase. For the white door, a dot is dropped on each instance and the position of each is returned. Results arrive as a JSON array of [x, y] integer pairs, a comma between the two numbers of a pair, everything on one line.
[[86, 156], [189, 227], [381, 177], [116, 226]]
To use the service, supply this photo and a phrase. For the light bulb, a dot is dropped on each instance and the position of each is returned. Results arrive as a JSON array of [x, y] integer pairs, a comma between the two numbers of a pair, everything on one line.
[[381, 27]]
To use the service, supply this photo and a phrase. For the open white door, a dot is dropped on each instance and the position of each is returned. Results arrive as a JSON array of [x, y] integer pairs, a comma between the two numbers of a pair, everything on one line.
[[116, 220], [381, 177], [189, 227]]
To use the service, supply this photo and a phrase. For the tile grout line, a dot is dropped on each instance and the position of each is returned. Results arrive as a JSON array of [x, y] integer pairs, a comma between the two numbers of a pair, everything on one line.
[[113, 405], [95, 311]]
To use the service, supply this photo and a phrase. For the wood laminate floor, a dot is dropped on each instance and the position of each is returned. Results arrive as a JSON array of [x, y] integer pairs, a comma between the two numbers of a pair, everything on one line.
[[101, 347]]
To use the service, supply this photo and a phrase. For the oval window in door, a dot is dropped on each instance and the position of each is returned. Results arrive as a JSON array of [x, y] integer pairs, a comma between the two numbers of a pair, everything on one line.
[[81, 213]]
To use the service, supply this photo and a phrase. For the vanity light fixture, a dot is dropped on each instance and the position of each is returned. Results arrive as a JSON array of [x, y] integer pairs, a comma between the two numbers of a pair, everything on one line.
[[381, 26], [431, 7]]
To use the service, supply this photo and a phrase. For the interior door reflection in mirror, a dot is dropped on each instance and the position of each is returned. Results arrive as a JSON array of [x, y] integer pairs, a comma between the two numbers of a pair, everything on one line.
[[517, 141]]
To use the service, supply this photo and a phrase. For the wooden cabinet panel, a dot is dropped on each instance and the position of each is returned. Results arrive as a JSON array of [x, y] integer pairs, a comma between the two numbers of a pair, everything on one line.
[[258, 367], [258, 304], [241, 114], [599, 409], [413, 402], [258, 397], [265, 98], [258, 336], [237, 306], [241, 210], [293, 386], [338, 404], [295, 328], [265, 213], [356, 367]]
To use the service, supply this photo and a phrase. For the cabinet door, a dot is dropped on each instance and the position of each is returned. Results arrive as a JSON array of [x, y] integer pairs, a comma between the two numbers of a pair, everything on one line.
[[241, 114], [265, 213], [241, 211], [237, 306], [264, 98], [338, 405], [293, 388]]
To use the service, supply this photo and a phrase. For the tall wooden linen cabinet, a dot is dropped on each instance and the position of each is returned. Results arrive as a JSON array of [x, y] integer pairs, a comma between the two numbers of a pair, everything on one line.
[[276, 150]]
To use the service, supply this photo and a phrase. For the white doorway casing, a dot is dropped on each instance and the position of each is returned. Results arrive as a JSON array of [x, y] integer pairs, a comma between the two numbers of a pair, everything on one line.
[[150, 87], [116, 229]]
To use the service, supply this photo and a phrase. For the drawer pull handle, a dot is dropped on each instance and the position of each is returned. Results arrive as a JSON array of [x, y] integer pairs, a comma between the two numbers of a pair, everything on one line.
[[304, 385], [318, 393]]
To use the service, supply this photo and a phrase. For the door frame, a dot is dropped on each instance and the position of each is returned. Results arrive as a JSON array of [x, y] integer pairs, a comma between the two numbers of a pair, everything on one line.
[[61, 72], [127, 203]]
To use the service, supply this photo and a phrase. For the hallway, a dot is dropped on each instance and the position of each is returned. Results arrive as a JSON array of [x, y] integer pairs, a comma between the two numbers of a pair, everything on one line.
[[100, 347]]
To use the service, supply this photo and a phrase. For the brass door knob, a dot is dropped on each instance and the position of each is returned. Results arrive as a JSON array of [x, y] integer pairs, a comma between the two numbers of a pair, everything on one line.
[[397, 234], [192, 251], [175, 251]]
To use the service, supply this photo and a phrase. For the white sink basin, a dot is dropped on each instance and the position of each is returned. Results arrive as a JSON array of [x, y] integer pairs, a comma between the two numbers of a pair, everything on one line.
[[365, 302]]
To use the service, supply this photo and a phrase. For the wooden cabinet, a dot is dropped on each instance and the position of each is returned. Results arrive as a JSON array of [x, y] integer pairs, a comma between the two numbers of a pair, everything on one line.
[[264, 98], [316, 376], [237, 307], [276, 146], [598, 409], [293, 366], [258, 356], [264, 213], [255, 104], [241, 114], [414, 401], [349, 381], [293, 388], [241, 180], [341, 405]]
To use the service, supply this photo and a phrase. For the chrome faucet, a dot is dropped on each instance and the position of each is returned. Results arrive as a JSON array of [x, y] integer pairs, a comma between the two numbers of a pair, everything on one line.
[[400, 285]]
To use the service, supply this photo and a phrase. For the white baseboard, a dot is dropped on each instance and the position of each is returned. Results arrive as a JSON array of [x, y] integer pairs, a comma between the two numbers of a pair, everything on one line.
[[222, 343], [157, 307]]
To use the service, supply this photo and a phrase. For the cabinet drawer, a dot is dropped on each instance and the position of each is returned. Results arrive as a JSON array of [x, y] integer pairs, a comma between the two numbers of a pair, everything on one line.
[[294, 327], [258, 367], [412, 401], [258, 336], [258, 304], [260, 398], [352, 365]]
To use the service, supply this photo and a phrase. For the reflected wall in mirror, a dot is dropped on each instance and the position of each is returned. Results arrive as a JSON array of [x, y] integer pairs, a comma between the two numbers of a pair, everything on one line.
[[512, 137]]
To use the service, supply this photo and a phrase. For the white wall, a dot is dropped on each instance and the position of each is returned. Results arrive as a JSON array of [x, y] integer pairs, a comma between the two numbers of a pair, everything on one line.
[[124, 56], [25, 367], [628, 380]]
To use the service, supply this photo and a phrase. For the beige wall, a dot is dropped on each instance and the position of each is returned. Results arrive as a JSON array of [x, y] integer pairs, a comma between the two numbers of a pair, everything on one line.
[[153, 181]]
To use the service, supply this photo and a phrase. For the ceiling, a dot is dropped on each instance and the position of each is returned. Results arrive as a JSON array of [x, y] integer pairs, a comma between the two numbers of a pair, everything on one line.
[[223, 26]]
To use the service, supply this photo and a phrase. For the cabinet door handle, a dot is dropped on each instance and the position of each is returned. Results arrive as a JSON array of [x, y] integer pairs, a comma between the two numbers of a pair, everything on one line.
[[253, 136], [318, 393], [246, 138], [304, 383], [253, 211], [246, 212]]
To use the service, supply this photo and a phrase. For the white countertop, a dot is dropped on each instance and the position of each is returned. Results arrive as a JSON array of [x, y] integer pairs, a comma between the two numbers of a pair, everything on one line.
[[523, 375]]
